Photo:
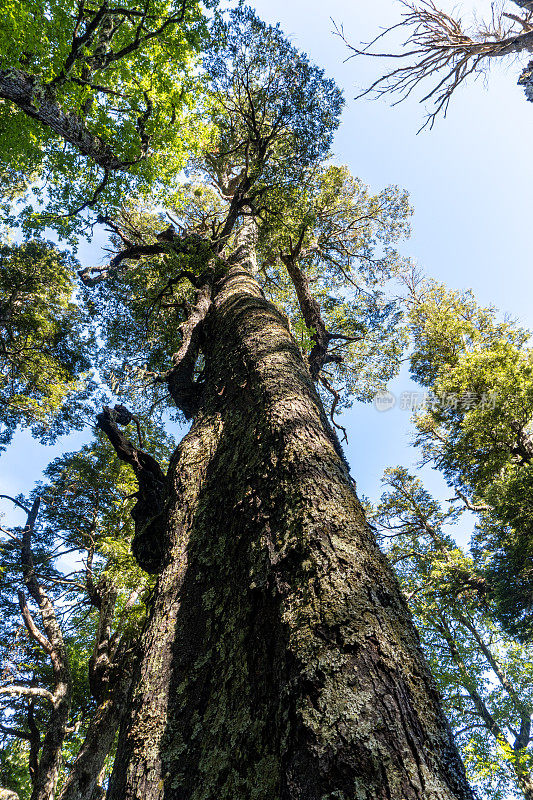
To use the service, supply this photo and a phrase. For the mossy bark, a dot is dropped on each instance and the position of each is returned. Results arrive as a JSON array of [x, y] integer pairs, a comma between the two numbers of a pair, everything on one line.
[[280, 661]]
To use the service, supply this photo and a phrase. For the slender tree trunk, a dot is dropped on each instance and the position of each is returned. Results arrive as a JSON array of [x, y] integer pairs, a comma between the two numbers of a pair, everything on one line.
[[45, 775], [82, 781], [44, 787], [280, 661]]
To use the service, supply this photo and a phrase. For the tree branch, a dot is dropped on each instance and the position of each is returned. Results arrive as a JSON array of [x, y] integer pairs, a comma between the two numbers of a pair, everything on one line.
[[312, 315], [153, 488], [437, 43], [477, 507], [28, 691], [180, 376], [34, 631], [40, 103], [15, 732]]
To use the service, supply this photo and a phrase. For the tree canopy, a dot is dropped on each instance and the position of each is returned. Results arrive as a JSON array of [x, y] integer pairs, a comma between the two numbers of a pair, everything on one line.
[[97, 101], [46, 346]]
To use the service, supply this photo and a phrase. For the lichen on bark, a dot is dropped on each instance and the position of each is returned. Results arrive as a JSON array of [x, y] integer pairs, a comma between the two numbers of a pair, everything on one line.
[[280, 660]]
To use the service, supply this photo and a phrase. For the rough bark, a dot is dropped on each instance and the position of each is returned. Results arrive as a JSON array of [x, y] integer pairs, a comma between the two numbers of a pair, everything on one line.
[[180, 377], [148, 512], [280, 661]]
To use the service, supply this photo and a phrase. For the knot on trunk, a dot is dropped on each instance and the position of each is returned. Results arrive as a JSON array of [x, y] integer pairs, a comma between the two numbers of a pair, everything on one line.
[[148, 511]]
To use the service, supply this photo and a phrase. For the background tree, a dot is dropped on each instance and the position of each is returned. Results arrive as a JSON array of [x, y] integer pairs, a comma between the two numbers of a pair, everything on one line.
[[440, 48], [476, 430], [96, 100], [66, 674], [482, 673], [45, 342]]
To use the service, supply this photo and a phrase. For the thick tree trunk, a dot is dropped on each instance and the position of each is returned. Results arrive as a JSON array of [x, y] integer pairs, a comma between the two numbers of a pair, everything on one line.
[[280, 661]]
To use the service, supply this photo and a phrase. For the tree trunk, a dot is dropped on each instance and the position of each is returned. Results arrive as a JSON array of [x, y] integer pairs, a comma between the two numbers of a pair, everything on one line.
[[83, 777], [523, 778], [45, 784], [280, 661]]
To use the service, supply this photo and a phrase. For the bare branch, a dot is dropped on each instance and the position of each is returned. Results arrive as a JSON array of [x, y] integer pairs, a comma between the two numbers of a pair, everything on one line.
[[336, 400], [14, 732], [15, 501], [438, 44], [312, 315], [91, 276]]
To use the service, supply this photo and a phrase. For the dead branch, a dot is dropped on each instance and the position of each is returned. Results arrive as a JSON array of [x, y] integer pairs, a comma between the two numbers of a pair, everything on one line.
[[153, 487], [476, 507], [438, 46], [34, 631]]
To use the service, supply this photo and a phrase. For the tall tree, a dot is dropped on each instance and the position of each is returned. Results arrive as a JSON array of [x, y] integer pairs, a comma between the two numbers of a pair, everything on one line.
[[477, 430], [70, 640], [280, 659], [440, 48], [46, 347], [484, 675]]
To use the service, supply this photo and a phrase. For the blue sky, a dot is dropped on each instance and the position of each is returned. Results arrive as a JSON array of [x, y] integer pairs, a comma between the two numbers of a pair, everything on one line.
[[470, 181]]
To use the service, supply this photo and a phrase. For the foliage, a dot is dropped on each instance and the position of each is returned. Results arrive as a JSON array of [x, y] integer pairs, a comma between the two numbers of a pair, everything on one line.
[[345, 236], [348, 256], [485, 676], [271, 112], [83, 541], [45, 345], [126, 76], [476, 429], [14, 768]]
